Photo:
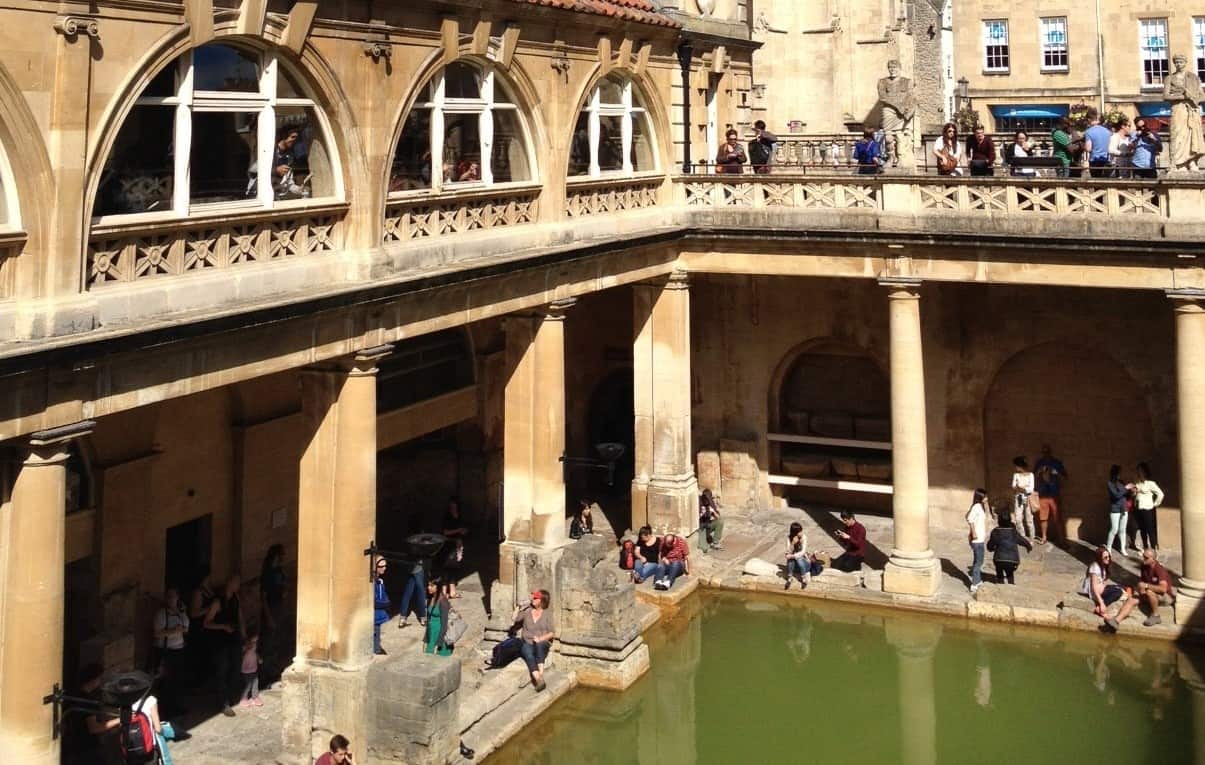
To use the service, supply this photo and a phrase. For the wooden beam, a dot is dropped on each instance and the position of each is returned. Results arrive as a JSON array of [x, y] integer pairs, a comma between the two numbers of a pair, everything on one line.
[[642, 58], [481, 37], [604, 54], [251, 16], [624, 57], [301, 21], [510, 42]]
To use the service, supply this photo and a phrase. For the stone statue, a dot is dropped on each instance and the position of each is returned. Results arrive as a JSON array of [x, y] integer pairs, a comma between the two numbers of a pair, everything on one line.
[[898, 108], [1182, 89]]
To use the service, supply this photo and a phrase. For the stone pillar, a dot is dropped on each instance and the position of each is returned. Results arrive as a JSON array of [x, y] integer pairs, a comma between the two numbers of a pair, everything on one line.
[[664, 492], [913, 569], [336, 511], [915, 642], [33, 602], [1190, 400], [534, 428]]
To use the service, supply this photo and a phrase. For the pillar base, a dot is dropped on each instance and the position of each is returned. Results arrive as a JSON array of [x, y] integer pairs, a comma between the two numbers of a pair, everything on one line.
[[1190, 603], [673, 505], [912, 574]]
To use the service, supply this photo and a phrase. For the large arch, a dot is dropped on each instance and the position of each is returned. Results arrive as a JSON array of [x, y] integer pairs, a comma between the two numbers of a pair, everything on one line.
[[316, 74], [654, 105], [32, 175], [1090, 410]]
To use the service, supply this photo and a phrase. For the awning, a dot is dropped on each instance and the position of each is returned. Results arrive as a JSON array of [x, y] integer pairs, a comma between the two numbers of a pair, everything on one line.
[[1157, 109], [1031, 111]]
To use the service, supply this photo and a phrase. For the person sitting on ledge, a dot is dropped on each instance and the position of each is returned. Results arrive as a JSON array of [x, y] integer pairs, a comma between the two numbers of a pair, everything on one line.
[[675, 561], [1097, 587], [338, 754], [648, 555], [1154, 584], [536, 630], [582, 523], [799, 563], [853, 539]]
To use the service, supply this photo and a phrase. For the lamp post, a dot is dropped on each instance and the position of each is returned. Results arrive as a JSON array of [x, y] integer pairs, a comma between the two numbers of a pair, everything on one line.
[[964, 93]]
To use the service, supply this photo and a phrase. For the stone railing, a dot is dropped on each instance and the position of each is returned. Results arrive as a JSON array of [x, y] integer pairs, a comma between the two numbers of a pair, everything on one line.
[[423, 215], [132, 252], [777, 191], [611, 195]]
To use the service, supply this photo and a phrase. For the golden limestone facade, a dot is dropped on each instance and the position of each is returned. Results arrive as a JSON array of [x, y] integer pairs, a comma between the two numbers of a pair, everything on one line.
[[298, 273]]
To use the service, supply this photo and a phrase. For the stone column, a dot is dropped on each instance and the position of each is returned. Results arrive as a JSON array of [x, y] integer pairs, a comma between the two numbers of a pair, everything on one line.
[[1190, 400], [913, 569], [336, 511], [33, 602], [534, 427], [665, 493], [915, 642]]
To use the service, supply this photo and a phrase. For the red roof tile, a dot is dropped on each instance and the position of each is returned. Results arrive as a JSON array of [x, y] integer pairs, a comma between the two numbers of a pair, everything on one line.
[[641, 11]]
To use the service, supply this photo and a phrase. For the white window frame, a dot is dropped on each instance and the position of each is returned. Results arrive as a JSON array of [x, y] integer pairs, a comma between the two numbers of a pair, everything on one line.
[[1198, 44], [263, 104], [627, 110], [1148, 52], [9, 204], [989, 42], [1046, 25], [484, 106]]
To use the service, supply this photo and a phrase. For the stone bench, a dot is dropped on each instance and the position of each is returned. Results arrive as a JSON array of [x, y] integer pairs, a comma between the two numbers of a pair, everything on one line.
[[683, 587]]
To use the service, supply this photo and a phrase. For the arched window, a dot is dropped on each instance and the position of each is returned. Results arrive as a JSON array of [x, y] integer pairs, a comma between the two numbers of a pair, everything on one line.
[[222, 127], [464, 129], [612, 134]]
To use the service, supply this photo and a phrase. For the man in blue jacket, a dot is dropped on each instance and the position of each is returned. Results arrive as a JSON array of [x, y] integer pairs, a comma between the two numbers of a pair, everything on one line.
[[381, 604]]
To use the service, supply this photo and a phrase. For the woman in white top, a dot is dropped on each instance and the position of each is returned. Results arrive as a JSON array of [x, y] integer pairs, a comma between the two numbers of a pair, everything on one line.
[[1020, 149], [1022, 495], [1097, 587], [977, 536], [1120, 148], [947, 151], [1147, 497], [799, 563]]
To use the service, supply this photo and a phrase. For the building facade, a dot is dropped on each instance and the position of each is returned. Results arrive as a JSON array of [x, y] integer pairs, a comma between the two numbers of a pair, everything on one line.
[[1027, 63], [296, 274]]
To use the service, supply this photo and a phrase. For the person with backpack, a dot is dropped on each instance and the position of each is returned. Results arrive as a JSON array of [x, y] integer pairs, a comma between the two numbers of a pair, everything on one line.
[[868, 154], [761, 148]]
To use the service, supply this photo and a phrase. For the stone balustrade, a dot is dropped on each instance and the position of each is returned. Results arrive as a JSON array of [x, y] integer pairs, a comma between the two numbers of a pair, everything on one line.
[[422, 215], [133, 252], [611, 195]]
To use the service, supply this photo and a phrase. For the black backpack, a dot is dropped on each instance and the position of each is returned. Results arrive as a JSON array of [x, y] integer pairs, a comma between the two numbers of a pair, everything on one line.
[[759, 153]]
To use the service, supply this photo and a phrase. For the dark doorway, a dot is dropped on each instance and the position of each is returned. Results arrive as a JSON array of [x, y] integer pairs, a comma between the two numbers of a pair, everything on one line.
[[81, 606], [612, 418], [189, 546]]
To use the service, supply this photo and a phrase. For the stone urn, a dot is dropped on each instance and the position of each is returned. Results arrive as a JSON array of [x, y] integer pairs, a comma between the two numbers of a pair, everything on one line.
[[706, 7]]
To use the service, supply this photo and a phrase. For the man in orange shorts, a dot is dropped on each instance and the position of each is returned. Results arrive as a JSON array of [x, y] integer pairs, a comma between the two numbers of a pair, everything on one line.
[[1049, 474]]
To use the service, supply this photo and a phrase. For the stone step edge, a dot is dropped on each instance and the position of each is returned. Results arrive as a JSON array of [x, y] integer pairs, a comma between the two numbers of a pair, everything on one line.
[[503, 722]]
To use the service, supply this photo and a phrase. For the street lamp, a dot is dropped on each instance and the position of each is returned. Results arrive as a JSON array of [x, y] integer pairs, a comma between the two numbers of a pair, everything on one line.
[[964, 92]]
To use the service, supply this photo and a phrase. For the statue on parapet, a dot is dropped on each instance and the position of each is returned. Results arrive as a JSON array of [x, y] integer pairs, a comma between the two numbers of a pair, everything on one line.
[[897, 103], [1182, 89]]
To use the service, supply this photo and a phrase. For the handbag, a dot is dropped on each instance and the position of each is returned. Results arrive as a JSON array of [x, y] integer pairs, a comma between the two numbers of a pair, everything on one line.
[[456, 627]]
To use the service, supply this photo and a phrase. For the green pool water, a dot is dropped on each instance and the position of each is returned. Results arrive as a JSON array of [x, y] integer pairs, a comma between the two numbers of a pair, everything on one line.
[[775, 680]]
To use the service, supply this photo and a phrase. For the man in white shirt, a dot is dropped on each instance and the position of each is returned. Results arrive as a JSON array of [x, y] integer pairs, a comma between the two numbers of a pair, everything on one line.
[[977, 536]]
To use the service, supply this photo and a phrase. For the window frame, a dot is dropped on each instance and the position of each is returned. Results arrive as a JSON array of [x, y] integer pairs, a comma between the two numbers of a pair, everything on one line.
[[1148, 82], [1198, 44], [484, 106], [988, 55], [1047, 49], [628, 111], [188, 101]]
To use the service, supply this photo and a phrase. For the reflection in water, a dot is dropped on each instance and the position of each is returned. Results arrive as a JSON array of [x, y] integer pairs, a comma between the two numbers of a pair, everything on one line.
[[738, 680]]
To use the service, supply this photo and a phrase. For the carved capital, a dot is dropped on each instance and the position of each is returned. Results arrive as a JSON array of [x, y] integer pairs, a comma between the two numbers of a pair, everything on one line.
[[72, 27]]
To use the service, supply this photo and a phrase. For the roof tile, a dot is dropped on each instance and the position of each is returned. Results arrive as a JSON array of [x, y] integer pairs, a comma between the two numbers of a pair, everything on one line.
[[641, 11]]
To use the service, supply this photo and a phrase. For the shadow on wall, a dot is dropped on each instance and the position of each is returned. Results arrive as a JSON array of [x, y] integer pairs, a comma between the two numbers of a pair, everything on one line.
[[1086, 406]]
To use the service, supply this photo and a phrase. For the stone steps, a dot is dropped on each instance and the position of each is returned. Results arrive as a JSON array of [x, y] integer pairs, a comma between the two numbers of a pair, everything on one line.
[[504, 704]]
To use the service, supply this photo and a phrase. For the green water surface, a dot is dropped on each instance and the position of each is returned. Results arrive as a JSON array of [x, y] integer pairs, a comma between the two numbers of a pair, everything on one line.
[[739, 680]]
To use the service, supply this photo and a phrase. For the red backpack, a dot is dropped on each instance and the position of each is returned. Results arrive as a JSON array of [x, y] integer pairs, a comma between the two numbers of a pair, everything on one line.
[[138, 741]]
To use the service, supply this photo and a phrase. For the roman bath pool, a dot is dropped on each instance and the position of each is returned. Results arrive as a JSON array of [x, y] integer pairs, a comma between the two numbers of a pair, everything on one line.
[[738, 680]]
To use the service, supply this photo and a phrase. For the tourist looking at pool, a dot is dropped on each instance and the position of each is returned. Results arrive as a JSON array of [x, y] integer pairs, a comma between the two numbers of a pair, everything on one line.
[[1004, 544], [536, 630], [1023, 496], [1147, 497], [711, 525], [1097, 587], [675, 561], [853, 539], [799, 563], [1154, 585], [977, 535], [648, 555]]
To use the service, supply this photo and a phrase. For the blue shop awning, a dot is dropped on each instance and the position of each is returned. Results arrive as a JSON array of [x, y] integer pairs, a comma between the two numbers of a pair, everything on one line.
[[1029, 111], [1158, 109]]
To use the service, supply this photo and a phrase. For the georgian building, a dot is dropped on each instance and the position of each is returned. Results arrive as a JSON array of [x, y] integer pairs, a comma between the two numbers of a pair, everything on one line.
[[1027, 62], [298, 273]]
